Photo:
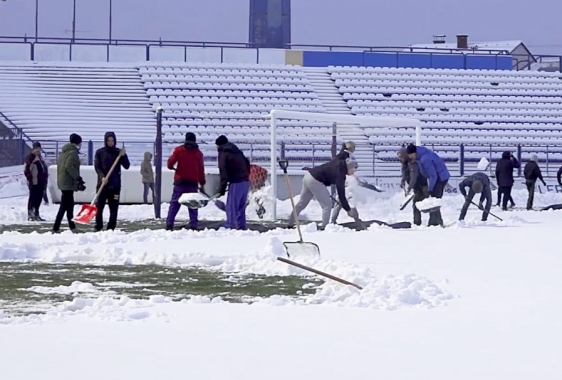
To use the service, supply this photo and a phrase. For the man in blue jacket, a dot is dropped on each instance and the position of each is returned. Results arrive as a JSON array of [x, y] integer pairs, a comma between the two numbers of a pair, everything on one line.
[[434, 169]]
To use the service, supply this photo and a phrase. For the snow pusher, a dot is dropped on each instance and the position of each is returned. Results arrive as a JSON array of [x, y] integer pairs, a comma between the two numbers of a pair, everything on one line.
[[299, 248]]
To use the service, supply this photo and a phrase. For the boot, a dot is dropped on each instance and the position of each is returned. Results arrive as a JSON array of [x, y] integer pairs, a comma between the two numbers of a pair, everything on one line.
[[38, 217], [31, 216]]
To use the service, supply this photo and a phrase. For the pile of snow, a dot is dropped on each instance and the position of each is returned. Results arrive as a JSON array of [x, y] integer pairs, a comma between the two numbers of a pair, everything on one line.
[[429, 203], [74, 288]]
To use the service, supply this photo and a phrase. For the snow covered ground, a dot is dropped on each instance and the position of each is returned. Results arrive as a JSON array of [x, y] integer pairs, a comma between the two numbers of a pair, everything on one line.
[[472, 301]]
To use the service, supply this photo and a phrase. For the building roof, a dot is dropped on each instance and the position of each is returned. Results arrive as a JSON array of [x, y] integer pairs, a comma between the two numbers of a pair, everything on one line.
[[474, 46]]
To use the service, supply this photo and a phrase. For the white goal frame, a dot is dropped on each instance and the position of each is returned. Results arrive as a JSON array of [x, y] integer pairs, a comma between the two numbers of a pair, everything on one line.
[[374, 121]]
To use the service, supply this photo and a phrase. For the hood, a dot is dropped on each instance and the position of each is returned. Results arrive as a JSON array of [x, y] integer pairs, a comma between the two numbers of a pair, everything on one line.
[[69, 147], [229, 147], [147, 156], [506, 154], [483, 164], [190, 145], [109, 134]]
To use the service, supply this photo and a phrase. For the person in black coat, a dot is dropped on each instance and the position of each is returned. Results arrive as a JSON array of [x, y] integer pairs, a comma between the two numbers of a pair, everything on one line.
[[234, 169], [532, 172], [504, 177], [103, 160], [35, 172]]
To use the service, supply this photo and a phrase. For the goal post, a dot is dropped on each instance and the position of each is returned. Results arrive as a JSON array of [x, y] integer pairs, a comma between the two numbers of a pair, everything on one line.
[[364, 121]]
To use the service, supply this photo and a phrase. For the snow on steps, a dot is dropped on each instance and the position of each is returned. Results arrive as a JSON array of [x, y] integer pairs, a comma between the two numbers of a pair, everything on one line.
[[333, 101]]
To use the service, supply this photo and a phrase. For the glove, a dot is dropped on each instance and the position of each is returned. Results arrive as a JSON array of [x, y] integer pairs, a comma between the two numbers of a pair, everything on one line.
[[81, 184], [122, 152], [353, 213]]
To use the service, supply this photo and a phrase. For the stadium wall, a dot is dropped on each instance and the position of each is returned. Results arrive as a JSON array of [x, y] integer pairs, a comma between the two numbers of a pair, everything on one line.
[[29, 51]]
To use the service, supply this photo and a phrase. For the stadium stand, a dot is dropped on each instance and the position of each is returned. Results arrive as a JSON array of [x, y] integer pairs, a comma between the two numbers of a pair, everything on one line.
[[485, 110], [229, 99], [488, 111], [49, 101]]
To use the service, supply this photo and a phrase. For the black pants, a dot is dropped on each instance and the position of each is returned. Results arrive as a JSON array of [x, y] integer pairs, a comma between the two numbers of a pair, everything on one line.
[[531, 190], [501, 190], [435, 218], [111, 197], [419, 195], [66, 206], [506, 193], [35, 198], [468, 202]]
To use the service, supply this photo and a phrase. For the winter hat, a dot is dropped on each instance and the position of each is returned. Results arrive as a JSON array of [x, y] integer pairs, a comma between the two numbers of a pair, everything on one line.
[[36, 144], [477, 186], [483, 164], [506, 154], [411, 149], [351, 164], [535, 158], [75, 139], [403, 154], [190, 136], [349, 146], [221, 140]]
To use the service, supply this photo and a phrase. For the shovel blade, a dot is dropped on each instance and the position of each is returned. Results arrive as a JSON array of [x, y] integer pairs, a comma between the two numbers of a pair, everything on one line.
[[298, 249], [86, 214]]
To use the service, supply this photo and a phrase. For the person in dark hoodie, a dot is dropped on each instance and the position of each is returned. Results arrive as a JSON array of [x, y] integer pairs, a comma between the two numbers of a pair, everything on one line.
[[234, 169], [416, 183], [187, 162], [315, 183], [103, 160], [35, 172], [504, 177], [532, 172]]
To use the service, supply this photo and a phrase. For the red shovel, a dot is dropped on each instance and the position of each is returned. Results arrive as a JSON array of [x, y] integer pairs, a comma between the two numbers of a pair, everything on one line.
[[89, 212]]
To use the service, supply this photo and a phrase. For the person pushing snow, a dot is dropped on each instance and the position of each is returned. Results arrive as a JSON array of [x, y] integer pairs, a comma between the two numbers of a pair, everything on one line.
[[479, 182], [351, 184]]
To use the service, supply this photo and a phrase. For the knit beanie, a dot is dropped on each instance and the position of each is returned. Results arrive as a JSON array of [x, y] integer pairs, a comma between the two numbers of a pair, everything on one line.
[[190, 136], [75, 139], [221, 140], [411, 149], [477, 186]]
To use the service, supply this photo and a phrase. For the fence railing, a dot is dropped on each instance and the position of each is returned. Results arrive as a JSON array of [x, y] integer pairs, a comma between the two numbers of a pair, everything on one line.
[[376, 160]]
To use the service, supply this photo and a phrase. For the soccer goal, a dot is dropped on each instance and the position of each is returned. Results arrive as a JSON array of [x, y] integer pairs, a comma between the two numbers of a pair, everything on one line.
[[364, 121]]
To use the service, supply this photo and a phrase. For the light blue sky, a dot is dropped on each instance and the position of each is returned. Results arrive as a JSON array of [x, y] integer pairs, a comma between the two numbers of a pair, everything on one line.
[[340, 22]]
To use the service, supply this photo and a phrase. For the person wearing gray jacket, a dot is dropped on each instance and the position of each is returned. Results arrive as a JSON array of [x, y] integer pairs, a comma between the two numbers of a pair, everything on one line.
[[477, 183], [147, 175]]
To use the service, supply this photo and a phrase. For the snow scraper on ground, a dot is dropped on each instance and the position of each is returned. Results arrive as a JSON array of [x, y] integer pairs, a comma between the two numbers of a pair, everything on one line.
[[299, 248]]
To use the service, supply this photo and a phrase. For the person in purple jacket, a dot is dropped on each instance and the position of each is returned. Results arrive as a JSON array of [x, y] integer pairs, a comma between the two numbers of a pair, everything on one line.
[[234, 169], [434, 169]]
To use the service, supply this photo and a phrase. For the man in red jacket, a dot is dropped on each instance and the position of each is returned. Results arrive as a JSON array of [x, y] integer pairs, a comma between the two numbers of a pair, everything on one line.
[[189, 175]]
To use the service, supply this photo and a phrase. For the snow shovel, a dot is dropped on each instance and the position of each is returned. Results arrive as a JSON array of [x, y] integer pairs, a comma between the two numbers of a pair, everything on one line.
[[298, 248], [488, 212], [406, 201], [360, 224], [89, 212]]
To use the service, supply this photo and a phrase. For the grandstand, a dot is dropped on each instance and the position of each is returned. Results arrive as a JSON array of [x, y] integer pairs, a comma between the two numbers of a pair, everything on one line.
[[487, 111]]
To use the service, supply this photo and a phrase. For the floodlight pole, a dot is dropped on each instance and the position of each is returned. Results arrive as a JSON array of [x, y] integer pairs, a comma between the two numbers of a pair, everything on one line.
[[158, 165], [273, 158]]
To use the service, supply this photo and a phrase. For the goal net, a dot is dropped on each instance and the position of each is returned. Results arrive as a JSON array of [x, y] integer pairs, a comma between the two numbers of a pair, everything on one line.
[[281, 137]]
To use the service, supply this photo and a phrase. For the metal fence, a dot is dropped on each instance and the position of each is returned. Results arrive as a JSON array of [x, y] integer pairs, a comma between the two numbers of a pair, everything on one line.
[[376, 160]]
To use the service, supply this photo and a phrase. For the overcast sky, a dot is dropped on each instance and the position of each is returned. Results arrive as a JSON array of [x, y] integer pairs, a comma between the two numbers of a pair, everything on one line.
[[537, 23]]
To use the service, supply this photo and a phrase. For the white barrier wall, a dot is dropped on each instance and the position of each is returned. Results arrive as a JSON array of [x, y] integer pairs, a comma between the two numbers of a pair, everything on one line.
[[132, 188], [138, 53]]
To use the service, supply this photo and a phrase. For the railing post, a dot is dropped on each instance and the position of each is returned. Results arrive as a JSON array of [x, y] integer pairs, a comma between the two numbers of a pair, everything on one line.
[[519, 159], [461, 161], [90, 152], [22, 152], [158, 165], [282, 153], [547, 160], [334, 140], [374, 154]]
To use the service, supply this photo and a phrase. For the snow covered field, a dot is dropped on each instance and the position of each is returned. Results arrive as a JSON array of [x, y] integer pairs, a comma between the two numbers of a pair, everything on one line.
[[472, 301]]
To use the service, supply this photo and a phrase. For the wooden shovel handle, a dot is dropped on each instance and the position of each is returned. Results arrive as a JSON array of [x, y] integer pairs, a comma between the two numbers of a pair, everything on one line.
[[115, 163]]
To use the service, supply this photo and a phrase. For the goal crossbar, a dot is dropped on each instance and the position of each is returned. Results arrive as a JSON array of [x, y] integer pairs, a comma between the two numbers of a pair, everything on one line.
[[375, 121]]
